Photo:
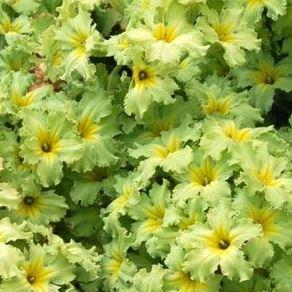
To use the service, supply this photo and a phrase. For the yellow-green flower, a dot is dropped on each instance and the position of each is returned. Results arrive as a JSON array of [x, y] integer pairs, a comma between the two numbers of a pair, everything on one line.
[[265, 77], [265, 174], [177, 279], [13, 28], [203, 176], [77, 38], [219, 242], [96, 126], [167, 38], [230, 31], [116, 268], [32, 204], [149, 84], [40, 271], [9, 255], [168, 151], [218, 99], [49, 141], [275, 224], [255, 8]]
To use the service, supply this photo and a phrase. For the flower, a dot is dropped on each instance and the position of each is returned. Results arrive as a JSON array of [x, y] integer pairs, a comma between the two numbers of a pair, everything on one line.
[[275, 226], [10, 256], [168, 151], [218, 242], [230, 31], [149, 212], [265, 77], [222, 135], [255, 8], [33, 204], [169, 37], [265, 174], [95, 127], [116, 268], [40, 271], [48, 141], [12, 29], [203, 176], [150, 84], [176, 279], [218, 99], [77, 38]]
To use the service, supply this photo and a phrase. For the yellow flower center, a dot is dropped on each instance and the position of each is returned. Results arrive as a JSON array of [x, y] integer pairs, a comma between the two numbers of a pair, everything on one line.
[[266, 177], [78, 39], [144, 77], [267, 74], [36, 274], [255, 2], [9, 26], [235, 134], [48, 143], [225, 31], [155, 215], [186, 222], [30, 207], [203, 174], [19, 100], [87, 129], [113, 265], [173, 145], [267, 218], [124, 43], [219, 240], [120, 202], [220, 106], [184, 283], [165, 33]]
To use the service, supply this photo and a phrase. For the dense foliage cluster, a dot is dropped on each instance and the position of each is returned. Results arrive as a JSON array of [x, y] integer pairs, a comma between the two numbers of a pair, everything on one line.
[[145, 145]]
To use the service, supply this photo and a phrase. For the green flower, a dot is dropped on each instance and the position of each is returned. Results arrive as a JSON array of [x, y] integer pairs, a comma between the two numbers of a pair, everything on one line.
[[218, 99], [96, 128], [40, 270], [77, 39], [265, 77], [219, 242], [265, 174], [168, 151], [26, 7], [203, 176], [255, 8], [176, 279], [167, 38], [150, 84], [24, 92], [48, 141], [276, 228], [222, 135], [33, 204], [13, 160], [150, 281], [230, 31], [9, 255], [149, 212], [116, 268], [127, 195], [13, 29]]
